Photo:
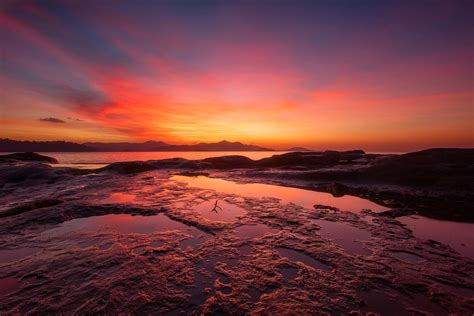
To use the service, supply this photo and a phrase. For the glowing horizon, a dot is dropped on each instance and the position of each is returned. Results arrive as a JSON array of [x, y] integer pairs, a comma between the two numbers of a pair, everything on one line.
[[369, 75]]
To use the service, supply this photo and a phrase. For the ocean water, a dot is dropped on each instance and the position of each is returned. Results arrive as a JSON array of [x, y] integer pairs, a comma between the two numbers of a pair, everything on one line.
[[109, 157]]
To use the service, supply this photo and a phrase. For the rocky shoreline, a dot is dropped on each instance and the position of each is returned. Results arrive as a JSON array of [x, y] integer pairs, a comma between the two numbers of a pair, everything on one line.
[[435, 183], [69, 234]]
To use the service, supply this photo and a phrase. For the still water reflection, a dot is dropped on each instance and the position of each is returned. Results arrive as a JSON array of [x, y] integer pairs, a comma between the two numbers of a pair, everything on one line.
[[124, 223], [305, 198], [459, 236]]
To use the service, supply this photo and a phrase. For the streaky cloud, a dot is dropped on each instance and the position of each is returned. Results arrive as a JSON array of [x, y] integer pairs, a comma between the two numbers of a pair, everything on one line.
[[52, 120]]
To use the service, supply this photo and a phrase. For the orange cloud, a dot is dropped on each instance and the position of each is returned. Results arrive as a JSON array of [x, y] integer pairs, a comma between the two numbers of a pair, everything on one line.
[[276, 87]]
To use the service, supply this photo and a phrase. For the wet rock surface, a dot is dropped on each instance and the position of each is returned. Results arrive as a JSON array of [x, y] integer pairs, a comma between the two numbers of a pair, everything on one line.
[[436, 183], [119, 242]]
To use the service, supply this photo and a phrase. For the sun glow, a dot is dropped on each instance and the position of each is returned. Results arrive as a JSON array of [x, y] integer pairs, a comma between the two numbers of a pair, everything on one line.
[[117, 77]]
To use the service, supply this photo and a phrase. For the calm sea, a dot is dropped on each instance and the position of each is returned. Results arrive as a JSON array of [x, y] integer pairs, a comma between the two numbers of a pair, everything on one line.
[[109, 157]]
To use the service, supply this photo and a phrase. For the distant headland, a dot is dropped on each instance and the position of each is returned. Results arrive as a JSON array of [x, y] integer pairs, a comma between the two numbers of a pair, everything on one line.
[[9, 145]]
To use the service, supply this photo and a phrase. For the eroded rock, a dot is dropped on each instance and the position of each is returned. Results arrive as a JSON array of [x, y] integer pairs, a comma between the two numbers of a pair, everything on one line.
[[203, 266]]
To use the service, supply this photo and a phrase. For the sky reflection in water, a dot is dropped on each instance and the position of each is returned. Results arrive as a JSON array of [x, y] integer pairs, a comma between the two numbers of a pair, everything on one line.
[[305, 198], [457, 235]]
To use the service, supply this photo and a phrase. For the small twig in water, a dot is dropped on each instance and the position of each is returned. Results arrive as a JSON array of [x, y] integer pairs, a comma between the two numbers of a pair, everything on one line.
[[216, 207]]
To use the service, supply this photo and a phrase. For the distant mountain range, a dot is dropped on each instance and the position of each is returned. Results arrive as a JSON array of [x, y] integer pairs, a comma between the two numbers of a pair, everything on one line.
[[8, 145], [161, 146], [297, 149]]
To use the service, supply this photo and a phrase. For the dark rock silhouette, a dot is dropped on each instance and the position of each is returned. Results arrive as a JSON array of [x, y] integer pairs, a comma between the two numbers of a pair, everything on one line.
[[30, 206], [432, 167], [31, 173], [28, 156], [229, 162], [298, 149], [428, 168], [311, 159]]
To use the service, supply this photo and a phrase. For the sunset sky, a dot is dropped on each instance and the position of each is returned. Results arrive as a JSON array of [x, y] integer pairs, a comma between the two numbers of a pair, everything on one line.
[[375, 75]]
